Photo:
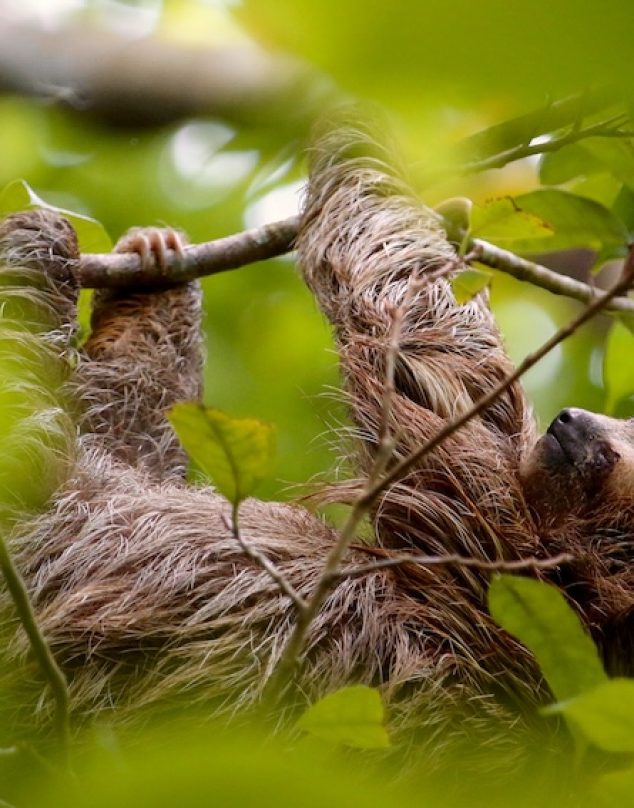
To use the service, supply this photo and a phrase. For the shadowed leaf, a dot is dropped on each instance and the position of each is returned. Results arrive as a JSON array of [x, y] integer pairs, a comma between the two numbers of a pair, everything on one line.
[[538, 615]]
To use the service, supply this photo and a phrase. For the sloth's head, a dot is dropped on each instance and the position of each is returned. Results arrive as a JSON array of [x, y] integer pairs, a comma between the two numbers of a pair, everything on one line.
[[584, 462]]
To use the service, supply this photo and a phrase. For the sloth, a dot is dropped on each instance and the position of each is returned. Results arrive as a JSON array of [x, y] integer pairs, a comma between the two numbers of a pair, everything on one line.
[[147, 600]]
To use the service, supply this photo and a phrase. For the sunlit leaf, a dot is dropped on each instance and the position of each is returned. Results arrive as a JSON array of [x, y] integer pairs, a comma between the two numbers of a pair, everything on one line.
[[236, 453], [505, 223], [469, 283], [618, 367], [538, 615], [605, 714], [91, 234], [353, 716]]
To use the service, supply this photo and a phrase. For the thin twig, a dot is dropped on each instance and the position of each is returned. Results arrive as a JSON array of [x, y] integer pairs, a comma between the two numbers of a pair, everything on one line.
[[41, 651], [453, 560], [372, 490], [255, 555], [537, 275], [609, 128]]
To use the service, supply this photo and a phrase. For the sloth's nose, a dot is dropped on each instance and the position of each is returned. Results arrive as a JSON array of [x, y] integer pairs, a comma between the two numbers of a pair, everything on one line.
[[567, 416], [571, 424]]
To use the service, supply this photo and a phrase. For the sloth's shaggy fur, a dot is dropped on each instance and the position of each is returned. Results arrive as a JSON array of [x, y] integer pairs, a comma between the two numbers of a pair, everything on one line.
[[139, 587]]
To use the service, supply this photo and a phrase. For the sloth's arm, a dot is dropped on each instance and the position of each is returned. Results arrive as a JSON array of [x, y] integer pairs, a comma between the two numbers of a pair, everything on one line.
[[144, 354], [362, 237]]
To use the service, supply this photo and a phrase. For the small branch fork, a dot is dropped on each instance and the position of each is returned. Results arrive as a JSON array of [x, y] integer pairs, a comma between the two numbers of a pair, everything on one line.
[[125, 270]]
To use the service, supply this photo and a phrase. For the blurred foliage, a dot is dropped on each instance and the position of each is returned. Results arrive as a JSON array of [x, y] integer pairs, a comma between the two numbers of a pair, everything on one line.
[[469, 91]]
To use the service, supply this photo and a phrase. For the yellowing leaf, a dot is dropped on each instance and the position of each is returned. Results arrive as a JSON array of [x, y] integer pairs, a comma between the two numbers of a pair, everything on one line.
[[352, 716], [236, 453], [576, 221], [504, 222]]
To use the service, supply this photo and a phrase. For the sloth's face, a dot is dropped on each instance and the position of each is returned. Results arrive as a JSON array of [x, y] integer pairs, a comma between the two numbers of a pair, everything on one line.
[[583, 461]]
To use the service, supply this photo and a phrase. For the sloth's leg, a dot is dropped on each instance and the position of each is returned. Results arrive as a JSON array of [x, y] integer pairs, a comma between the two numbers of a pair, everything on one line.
[[144, 354]]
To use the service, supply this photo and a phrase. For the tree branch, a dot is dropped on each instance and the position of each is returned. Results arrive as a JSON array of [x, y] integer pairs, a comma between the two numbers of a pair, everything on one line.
[[49, 668], [537, 275], [294, 647], [609, 128], [453, 560], [124, 270]]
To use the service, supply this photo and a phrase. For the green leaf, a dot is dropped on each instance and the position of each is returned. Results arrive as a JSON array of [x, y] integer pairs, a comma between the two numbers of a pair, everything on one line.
[[504, 222], [91, 234], [567, 163], [456, 215], [467, 284], [236, 453], [353, 716], [615, 154], [605, 714], [623, 207], [576, 222], [538, 615], [603, 188], [618, 369]]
